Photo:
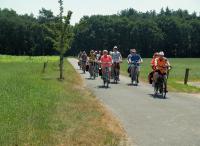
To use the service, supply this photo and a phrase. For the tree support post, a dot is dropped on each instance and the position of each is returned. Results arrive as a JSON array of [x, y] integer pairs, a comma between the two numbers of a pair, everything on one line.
[[186, 76]]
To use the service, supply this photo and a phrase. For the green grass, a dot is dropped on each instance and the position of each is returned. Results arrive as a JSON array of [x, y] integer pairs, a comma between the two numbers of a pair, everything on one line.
[[37, 109], [177, 74]]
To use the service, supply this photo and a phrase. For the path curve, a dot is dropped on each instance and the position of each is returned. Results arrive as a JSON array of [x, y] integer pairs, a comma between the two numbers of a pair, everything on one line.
[[149, 121]]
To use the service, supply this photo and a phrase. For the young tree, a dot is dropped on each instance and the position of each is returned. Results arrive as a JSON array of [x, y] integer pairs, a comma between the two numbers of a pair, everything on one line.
[[65, 36]]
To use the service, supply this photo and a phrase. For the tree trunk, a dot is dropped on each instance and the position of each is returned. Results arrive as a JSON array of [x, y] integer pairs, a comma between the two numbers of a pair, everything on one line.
[[61, 67]]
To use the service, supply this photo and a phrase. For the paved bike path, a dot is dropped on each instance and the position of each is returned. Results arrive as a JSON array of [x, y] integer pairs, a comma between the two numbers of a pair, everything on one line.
[[149, 121]]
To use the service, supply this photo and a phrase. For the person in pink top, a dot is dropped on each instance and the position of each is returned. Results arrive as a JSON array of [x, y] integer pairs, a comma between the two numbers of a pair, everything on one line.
[[106, 61]]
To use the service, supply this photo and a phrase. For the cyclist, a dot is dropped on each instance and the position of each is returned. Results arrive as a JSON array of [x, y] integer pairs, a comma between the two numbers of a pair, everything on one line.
[[92, 56], [106, 61], [150, 76], [136, 58], [162, 65], [98, 58], [112, 71], [100, 54], [92, 60], [117, 59], [84, 59], [79, 58]]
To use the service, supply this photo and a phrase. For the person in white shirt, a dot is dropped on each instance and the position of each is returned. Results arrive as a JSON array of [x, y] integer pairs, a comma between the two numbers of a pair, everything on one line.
[[117, 59]]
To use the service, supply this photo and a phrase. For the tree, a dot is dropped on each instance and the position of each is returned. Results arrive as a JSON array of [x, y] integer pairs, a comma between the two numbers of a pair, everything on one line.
[[64, 36]]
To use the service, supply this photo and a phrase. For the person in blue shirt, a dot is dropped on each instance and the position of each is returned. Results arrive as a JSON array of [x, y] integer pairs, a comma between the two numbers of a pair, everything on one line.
[[134, 58]]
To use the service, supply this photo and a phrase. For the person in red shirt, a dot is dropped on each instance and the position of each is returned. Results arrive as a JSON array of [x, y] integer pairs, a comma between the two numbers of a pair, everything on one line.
[[106, 61], [153, 61], [153, 66]]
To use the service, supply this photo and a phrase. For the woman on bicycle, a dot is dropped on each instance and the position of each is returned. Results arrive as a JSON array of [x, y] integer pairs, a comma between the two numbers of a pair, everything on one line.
[[106, 61], [150, 76], [162, 65]]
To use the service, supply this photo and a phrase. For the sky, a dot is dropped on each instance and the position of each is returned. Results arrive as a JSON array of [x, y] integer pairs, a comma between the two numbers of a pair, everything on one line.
[[81, 8]]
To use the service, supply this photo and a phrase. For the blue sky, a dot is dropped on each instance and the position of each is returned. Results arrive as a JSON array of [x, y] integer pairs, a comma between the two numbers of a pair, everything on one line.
[[89, 7]]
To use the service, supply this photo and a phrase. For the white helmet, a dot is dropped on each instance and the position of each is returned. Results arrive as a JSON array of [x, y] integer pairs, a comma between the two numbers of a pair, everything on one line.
[[115, 47], [161, 53]]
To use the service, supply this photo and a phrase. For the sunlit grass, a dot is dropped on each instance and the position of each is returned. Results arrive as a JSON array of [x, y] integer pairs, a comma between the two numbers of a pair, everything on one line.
[[37, 109]]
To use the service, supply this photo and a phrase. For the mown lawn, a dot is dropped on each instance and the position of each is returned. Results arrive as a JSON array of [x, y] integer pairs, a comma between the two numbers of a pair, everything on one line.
[[38, 110], [177, 74]]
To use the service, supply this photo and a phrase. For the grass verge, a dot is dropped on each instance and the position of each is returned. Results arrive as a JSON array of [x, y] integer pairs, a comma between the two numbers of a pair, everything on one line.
[[37, 109]]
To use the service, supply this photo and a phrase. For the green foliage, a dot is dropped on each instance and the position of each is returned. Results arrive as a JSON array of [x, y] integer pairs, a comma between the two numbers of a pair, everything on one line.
[[175, 32], [24, 34]]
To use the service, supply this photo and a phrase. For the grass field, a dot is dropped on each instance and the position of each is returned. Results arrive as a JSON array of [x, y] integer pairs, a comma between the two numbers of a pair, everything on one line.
[[38, 110], [177, 74]]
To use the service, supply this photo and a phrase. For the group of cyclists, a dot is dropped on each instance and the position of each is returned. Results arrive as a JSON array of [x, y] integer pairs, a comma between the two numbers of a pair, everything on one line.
[[107, 65]]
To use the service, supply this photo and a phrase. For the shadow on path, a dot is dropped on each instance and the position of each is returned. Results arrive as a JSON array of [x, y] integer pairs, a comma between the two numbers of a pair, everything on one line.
[[157, 96]]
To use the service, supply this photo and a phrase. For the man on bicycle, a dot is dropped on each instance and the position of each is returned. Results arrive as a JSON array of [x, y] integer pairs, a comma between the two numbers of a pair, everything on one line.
[[79, 58], [92, 56], [106, 61], [117, 59], [84, 60], [134, 58], [162, 66], [92, 63]]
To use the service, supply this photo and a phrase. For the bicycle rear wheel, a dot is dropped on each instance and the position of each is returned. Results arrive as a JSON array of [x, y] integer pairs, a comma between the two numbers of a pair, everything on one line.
[[164, 94]]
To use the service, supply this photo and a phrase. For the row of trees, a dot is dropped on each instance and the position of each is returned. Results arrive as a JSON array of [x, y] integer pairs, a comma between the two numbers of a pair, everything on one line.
[[27, 35], [175, 32]]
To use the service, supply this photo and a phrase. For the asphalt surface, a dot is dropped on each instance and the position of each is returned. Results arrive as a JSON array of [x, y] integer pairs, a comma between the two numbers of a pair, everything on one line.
[[150, 121]]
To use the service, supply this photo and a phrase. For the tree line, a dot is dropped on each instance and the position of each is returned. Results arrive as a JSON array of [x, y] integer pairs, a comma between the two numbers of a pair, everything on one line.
[[26, 34], [177, 33]]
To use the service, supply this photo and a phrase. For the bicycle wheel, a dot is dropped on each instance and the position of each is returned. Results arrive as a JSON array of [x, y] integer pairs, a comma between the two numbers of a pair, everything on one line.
[[115, 76], [132, 75], [155, 90], [164, 89], [94, 74], [107, 84]]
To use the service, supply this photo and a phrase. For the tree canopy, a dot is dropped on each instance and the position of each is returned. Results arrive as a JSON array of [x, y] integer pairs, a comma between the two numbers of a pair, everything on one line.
[[175, 32]]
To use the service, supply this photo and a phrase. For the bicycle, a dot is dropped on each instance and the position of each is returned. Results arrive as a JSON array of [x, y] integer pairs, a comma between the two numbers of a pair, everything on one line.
[[116, 72], [161, 84], [92, 70], [134, 70], [96, 69], [84, 66], [106, 77]]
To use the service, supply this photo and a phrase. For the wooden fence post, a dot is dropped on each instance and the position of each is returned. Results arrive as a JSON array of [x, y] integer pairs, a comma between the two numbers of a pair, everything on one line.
[[186, 76], [44, 67]]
